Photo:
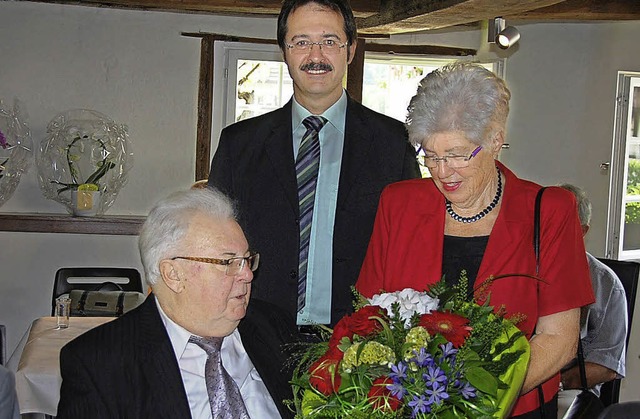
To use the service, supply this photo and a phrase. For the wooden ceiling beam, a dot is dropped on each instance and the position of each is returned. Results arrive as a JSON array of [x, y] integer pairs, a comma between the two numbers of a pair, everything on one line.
[[398, 16], [361, 8], [385, 17], [580, 10]]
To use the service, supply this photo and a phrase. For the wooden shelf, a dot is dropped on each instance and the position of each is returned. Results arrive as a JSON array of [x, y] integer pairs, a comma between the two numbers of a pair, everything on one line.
[[64, 223]]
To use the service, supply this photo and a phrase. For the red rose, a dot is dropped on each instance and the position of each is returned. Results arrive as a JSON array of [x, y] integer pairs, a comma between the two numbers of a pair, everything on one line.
[[340, 330], [453, 327], [324, 375], [361, 324], [381, 397]]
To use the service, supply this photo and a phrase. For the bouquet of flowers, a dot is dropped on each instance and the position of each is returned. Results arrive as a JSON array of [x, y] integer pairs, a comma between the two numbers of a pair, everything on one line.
[[411, 354]]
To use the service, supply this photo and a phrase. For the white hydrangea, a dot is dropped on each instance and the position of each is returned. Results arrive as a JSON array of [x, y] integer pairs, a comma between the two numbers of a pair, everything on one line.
[[410, 301]]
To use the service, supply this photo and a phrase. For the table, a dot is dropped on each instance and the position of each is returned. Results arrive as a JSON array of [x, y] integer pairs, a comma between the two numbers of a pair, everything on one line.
[[38, 377]]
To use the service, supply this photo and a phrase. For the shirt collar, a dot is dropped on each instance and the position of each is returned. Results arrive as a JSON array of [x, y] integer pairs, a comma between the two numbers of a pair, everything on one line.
[[335, 115], [178, 335]]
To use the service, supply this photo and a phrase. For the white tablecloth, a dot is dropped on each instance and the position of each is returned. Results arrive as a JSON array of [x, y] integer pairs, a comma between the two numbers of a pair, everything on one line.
[[38, 377]]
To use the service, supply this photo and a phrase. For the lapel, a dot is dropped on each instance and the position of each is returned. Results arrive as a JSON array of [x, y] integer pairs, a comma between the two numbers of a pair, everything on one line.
[[159, 365], [278, 144], [358, 139], [513, 225]]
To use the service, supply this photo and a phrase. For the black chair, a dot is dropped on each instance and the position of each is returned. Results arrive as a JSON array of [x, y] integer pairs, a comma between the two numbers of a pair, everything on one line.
[[624, 410], [3, 344], [89, 279], [628, 272]]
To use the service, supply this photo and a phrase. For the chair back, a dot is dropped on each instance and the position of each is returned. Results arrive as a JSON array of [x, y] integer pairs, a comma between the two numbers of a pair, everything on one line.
[[3, 344], [629, 274], [92, 278]]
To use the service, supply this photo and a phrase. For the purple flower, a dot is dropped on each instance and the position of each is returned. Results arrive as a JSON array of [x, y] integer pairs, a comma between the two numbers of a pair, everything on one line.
[[436, 394], [422, 358], [448, 350], [468, 391], [419, 405], [3, 140], [398, 372], [434, 376], [397, 390]]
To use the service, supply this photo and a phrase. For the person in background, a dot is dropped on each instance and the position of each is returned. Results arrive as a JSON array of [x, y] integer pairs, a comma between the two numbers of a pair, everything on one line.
[[162, 359], [603, 324], [475, 215], [8, 397], [312, 230]]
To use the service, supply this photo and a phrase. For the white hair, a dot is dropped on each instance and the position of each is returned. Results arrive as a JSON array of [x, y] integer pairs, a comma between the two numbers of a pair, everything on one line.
[[168, 223], [461, 96]]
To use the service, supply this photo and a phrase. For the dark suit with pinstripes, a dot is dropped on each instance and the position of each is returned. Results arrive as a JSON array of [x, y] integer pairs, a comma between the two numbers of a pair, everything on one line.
[[127, 368]]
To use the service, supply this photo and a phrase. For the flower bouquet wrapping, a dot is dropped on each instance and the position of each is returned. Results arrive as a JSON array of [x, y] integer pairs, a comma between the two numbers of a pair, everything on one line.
[[411, 354]]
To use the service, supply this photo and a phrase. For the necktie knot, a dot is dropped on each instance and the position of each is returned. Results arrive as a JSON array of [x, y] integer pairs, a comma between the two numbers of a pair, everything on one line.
[[210, 345], [314, 122]]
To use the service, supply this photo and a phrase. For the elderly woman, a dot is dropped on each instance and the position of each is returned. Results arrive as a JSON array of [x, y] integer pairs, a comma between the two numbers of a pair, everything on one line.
[[475, 215]]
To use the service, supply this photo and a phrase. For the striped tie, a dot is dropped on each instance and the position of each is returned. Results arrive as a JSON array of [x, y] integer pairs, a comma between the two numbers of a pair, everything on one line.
[[307, 166]]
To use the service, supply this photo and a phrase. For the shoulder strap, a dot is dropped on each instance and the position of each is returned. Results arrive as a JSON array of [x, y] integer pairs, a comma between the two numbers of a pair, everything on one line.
[[536, 249], [536, 228]]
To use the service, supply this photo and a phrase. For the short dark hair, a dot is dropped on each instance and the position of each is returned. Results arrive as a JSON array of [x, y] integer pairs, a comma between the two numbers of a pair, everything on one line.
[[338, 6]]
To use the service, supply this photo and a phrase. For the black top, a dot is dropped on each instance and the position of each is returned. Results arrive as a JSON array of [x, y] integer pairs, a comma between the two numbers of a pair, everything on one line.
[[462, 253]]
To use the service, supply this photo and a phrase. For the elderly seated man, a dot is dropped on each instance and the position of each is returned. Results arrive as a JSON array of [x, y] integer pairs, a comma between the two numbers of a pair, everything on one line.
[[162, 359], [603, 324]]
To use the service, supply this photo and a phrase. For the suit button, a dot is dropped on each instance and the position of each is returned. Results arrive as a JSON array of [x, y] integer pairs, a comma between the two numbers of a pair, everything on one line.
[[293, 274], [297, 221]]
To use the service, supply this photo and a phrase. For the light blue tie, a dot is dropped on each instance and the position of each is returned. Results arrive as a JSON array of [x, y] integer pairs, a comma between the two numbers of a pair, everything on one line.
[[307, 165], [224, 396]]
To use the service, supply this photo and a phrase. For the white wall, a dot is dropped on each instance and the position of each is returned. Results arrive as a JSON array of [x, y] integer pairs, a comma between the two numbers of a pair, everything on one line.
[[136, 67], [133, 66]]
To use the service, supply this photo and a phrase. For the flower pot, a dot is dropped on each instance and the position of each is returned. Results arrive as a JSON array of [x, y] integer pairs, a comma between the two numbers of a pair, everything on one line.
[[85, 203]]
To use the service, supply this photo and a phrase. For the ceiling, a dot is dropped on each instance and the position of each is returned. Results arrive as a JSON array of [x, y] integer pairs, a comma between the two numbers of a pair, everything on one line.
[[384, 17]]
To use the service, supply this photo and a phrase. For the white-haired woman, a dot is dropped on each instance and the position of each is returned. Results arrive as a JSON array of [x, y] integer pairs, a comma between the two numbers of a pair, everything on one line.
[[475, 215]]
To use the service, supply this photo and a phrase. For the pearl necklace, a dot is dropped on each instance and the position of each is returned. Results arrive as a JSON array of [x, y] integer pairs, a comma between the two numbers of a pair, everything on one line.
[[482, 213]]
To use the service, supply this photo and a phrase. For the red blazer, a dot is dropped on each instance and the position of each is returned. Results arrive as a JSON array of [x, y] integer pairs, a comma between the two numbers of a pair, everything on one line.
[[405, 251]]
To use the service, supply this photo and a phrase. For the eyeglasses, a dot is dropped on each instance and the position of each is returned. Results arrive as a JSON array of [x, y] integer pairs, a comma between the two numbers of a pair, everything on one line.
[[328, 46], [233, 266], [453, 161]]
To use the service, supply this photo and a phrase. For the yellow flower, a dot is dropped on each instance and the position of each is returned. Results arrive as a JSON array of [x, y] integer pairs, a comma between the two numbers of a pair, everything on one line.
[[416, 338], [373, 353]]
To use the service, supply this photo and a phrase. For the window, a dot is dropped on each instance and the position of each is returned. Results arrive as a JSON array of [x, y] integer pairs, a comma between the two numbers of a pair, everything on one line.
[[623, 225]]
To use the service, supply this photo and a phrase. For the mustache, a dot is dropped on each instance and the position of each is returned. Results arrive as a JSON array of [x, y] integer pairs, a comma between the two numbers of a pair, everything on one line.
[[316, 67]]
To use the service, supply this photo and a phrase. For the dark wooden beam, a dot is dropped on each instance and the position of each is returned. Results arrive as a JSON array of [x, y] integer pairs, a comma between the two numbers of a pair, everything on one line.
[[355, 73], [398, 16], [420, 50], [361, 8], [581, 10], [205, 106]]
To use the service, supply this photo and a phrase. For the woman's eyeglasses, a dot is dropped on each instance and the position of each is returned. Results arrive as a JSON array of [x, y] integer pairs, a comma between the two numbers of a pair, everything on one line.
[[452, 161]]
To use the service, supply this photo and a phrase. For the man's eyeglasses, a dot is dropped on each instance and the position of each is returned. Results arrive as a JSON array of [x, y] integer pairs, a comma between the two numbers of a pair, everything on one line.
[[328, 46], [453, 161], [233, 266]]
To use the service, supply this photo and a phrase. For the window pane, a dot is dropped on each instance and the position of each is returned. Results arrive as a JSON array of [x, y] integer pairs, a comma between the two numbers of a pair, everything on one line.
[[262, 86]]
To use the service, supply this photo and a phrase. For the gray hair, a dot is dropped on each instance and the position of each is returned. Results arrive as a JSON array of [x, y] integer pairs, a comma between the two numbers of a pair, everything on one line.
[[168, 223], [461, 96], [584, 204]]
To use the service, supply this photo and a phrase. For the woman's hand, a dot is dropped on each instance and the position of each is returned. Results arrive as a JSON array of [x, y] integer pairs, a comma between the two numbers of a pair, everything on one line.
[[552, 347]]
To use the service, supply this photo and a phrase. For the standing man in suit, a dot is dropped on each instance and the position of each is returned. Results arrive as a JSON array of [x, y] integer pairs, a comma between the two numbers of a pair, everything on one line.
[[154, 361], [312, 251]]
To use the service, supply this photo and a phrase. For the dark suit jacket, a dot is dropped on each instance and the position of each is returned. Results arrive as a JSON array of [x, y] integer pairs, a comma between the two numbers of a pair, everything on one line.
[[127, 368], [254, 165]]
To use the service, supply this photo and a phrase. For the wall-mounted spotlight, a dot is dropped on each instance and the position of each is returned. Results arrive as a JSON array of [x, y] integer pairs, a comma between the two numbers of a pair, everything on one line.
[[502, 35]]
